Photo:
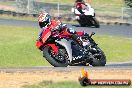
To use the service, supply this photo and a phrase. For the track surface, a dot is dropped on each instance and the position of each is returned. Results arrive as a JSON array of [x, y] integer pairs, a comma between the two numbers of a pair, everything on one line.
[[124, 31], [64, 69], [114, 30]]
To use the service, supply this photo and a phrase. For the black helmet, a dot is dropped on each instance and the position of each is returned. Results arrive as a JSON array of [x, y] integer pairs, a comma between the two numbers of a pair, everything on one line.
[[44, 19]]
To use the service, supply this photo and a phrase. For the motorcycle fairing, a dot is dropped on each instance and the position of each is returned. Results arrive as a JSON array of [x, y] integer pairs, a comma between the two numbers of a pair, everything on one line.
[[54, 48], [67, 45], [80, 33], [46, 34], [39, 44]]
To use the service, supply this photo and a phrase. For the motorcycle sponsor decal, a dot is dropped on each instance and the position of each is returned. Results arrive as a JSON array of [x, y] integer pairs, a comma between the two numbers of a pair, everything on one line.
[[78, 57], [85, 81], [110, 82], [46, 36]]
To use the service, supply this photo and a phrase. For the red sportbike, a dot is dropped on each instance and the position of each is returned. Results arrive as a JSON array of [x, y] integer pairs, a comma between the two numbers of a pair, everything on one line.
[[62, 48]]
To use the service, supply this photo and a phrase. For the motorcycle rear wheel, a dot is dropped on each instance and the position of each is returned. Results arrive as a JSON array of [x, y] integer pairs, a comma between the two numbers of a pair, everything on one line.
[[52, 60], [82, 23]]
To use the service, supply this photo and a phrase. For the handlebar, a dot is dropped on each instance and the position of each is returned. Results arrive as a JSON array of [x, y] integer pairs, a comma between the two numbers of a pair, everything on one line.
[[93, 33]]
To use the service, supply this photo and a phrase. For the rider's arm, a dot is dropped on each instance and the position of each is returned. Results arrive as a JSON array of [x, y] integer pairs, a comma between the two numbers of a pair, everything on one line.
[[62, 26]]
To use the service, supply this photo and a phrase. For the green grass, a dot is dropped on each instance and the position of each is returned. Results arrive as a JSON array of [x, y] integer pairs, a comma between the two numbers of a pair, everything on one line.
[[50, 84], [17, 47], [108, 3], [94, 2], [97, 2], [98, 5], [8, 3], [108, 7], [19, 17], [60, 1], [117, 49]]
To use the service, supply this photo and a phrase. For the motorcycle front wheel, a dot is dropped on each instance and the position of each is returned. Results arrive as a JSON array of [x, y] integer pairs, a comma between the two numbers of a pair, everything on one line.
[[99, 58], [95, 22], [59, 60]]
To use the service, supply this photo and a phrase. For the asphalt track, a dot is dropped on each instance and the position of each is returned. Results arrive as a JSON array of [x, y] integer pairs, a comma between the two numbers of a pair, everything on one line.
[[112, 30], [65, 69]]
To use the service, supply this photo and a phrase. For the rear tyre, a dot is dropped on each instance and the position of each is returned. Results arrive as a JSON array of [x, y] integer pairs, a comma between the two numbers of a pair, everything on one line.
[[53, 59]]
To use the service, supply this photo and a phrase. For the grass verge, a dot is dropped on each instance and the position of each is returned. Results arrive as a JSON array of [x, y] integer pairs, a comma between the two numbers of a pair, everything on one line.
[[94, 2], [117, 49], [17, 47], [50, 84], [19, 17]]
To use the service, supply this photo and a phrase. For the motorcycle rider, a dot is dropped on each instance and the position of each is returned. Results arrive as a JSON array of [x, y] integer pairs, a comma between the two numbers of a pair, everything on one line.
[[81, 4], [84, 1], [46, 21], [78, 5]]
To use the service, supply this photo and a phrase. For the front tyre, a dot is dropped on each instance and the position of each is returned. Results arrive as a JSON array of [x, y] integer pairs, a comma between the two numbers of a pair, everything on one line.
[[99, 58], [95, 22], [55, 60]]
